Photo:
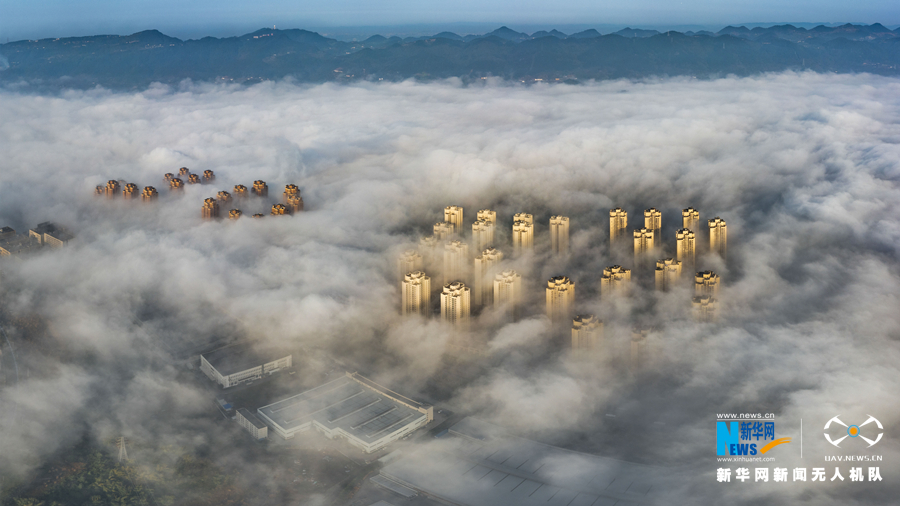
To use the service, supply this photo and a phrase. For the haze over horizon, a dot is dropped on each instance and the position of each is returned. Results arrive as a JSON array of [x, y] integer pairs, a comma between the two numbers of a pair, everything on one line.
[[20, 19]]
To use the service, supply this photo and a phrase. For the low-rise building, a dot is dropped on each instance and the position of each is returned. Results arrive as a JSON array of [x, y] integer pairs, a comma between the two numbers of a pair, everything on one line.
[[252, 423], [366, 414], [232, 365]]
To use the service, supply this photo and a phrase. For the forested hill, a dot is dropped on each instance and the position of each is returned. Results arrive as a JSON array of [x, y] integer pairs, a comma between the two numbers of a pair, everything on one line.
[[135, 61]]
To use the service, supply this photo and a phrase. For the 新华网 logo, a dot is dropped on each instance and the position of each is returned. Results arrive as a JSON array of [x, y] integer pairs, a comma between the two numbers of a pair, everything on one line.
[[854, 431], [746, 437]]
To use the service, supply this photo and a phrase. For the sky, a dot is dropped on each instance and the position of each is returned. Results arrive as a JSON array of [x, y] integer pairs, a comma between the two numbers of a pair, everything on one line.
[[803, 167], [57, 18]]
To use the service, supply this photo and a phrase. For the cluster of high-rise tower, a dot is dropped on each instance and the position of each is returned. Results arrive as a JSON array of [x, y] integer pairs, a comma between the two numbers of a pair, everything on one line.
[[492, 286], [292, 202]]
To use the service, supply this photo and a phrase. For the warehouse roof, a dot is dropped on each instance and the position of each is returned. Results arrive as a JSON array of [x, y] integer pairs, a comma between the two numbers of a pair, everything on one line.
[[365, 413], [240, 357]]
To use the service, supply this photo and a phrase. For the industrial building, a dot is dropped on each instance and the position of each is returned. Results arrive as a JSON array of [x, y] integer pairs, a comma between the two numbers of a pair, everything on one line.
[[233, 365], [252, 423], [367, 415]]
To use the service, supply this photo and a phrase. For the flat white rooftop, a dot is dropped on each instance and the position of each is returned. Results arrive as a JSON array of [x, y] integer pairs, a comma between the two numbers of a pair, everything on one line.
[[343, 404]]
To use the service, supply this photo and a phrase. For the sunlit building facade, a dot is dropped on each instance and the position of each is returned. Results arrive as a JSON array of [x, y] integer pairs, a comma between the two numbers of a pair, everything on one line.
[[705, 308], [487, 215], [587, 332], [615, 280], [486, 265], [618, 224], [456, 303], [690, 219], [706, 283], [507, 287], [456, 261], [560, 296], [234, 214], [454, 215], [209, 176], [685, 251], [415, 294], [130, 191], [409, 261], [210, 209], [668, 272], [559, 234], [149, 194], [643, 244], [443, 230], [112, 188], [260, 188], [718, 236], [653, 220], [482, 234], [523, 235], [240, 191]]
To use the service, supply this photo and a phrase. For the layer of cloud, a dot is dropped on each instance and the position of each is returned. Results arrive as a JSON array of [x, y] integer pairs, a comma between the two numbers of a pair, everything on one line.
[[804, 168]]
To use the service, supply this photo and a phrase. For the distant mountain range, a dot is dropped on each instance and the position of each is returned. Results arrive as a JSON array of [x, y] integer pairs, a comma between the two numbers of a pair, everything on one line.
[[135, 61]]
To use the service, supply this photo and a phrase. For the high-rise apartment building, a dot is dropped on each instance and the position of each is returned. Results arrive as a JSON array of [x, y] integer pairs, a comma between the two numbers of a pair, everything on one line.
[[643, 244], [454, 215], [193, 179], [429, 243], [559, 234], [112, 188], [690, 219], [209, 176], [240, 191], [149, 194], [234, 214], [455, 303], [224, 197], [508, 291], [523, 217], [684, 247], [668, 272], [280, 210], [615, 280], [443, 230], [718, 236], [210, 209], [706, 283], [260, 188], [653, 220], [184, 171], [704, 307], [487, 215], [99, 190], [486, 265], [482, 234], [560, 298], [292, 198], [587, 332], [523, 234], [409, 261], [130, 191], [415, 294], [618, 224], [456, 261], [176, 184], [168, 176], [639, 347]]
